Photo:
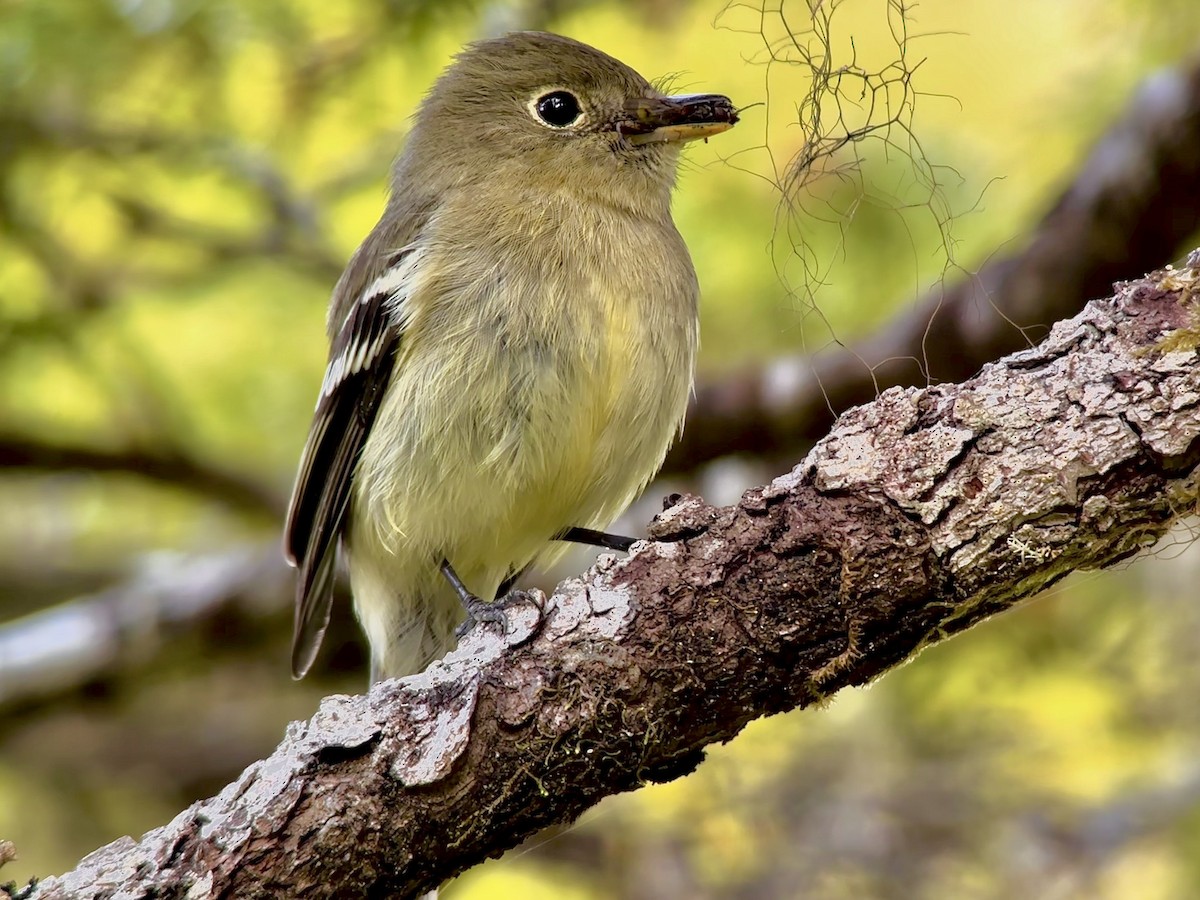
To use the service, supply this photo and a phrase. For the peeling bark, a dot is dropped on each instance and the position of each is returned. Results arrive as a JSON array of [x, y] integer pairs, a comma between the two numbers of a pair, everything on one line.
[[919, 515]]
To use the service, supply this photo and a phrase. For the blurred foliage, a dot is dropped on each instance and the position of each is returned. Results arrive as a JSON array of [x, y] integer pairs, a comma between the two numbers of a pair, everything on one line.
[[180, 184]]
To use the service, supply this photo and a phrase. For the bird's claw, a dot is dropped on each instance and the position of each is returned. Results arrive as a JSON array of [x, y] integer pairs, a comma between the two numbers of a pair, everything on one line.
[[482, 612]]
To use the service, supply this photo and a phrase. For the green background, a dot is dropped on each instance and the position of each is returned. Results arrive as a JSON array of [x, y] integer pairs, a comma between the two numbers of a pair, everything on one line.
[[180, 184]]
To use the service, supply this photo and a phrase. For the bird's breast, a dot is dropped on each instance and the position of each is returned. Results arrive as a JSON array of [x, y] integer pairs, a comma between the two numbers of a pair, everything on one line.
[[611, 323], [538, 384]]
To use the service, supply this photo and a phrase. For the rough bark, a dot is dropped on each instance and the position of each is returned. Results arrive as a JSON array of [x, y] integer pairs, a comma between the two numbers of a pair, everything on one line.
[[1127, 210], [919, 515]]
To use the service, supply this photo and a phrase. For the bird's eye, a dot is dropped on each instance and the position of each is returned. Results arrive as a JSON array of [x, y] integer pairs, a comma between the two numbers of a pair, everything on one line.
[[557, 109]]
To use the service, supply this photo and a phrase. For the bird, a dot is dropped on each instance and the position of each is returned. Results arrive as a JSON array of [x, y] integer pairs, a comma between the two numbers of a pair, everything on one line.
[[511, 347]]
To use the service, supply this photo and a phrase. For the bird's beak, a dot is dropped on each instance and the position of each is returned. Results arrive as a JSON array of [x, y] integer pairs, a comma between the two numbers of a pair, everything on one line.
[[676, 119]]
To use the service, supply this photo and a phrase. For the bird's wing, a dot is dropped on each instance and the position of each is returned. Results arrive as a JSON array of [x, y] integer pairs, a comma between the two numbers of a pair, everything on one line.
[[360, 369]]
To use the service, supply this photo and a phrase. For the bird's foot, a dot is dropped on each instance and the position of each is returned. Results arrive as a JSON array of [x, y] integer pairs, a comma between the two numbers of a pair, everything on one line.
[[480, 611]]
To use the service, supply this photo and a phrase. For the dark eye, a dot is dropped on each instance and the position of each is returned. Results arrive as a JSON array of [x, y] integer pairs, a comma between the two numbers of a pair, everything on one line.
[[558, 109]]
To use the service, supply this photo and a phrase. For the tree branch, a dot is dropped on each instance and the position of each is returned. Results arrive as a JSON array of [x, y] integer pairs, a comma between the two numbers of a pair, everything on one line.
[[920, 515], [59, 649], [1123, 213], [162, 464]]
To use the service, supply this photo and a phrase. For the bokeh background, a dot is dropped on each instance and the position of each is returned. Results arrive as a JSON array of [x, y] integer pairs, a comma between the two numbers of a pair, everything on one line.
[[181, 182]]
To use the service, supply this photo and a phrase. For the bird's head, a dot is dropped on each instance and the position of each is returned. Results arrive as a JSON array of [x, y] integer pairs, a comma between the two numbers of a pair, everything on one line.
[[549, 110]]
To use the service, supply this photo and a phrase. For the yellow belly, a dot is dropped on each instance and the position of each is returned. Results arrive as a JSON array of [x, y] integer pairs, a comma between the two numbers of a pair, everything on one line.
[[482, 461], [541, 376]]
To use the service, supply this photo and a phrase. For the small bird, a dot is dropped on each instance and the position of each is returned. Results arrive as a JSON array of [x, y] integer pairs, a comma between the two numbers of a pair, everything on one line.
[[512, 346]]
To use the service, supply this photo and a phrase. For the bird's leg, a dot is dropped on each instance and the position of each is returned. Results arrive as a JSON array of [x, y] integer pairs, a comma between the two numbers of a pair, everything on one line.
[[480, 610], [596, 538]]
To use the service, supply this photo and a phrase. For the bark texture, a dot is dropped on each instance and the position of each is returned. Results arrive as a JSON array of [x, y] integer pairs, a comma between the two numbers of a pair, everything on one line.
[[919, 515]]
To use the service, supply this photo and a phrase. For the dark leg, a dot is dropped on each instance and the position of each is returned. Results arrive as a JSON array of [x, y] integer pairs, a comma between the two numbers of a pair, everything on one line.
[[597, 538], [477, 610]]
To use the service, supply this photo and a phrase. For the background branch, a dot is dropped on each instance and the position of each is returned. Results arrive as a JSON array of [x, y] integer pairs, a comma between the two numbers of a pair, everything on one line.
[[162, 464], [64, 647]]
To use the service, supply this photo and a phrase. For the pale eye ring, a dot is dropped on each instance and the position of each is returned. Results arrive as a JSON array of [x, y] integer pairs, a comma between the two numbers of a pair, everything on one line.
[[557, 109]]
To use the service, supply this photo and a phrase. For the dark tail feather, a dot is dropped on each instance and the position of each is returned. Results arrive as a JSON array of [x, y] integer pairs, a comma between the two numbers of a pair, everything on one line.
[[314, 602]]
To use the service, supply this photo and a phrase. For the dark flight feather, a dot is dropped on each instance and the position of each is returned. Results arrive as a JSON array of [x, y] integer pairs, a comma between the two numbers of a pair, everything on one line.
[[359, 370]]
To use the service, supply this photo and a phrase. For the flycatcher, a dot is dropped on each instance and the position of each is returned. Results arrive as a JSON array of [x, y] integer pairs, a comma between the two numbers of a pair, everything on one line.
[[512, 346]]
